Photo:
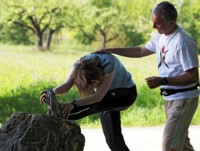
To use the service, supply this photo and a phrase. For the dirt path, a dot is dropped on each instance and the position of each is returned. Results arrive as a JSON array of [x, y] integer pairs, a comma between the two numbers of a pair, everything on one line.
[[137, 138]]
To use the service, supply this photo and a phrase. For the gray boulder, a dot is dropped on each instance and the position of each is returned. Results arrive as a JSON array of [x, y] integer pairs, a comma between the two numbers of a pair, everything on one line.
[[26, 132]]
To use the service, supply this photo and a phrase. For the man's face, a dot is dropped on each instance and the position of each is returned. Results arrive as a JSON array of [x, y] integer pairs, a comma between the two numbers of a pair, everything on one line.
[[162, 25]]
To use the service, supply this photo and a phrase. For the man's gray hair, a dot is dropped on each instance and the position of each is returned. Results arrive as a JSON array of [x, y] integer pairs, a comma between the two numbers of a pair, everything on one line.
[[166, 10]]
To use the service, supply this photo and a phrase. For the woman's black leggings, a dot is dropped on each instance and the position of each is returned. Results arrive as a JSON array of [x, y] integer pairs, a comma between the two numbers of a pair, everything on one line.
[[109, 108]]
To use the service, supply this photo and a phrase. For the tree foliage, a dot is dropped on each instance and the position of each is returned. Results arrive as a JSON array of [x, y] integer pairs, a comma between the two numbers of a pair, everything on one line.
[[38, 16], [190, 18], [115, 22], [13, 34], [98, 21]]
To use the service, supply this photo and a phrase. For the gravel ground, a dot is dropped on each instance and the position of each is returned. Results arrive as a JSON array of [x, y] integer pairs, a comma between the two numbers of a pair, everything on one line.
[[137, 138]]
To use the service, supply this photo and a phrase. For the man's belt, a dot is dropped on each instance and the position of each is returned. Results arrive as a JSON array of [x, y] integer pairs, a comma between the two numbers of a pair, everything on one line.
[[167, 92]]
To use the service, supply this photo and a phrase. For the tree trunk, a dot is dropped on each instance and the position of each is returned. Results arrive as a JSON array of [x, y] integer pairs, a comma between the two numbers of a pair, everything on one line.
[[103, 40], [40, 41], [50, 35]]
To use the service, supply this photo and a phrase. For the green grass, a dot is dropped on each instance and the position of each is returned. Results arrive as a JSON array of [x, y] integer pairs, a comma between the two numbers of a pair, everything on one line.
[[24, 73]]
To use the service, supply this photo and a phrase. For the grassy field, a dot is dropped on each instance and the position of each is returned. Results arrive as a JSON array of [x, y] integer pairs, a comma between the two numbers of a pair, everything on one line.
[[25, 73]]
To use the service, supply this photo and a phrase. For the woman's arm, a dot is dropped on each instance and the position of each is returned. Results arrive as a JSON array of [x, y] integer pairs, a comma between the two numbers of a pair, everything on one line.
[[93, 98], [66, 86], [63, 88], [99, 94]]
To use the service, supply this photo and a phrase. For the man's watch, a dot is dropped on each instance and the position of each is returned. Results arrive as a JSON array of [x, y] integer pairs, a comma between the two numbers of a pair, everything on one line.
[[164, 81]]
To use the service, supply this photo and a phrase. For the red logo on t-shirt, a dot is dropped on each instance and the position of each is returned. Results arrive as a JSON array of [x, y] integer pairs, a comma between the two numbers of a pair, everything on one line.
[[162, 57]]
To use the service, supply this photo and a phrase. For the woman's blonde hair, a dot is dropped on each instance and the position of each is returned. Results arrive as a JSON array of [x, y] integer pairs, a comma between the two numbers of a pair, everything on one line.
[[87, 72]]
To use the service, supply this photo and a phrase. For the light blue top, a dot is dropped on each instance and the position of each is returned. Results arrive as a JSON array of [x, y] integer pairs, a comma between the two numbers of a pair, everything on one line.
[[122, 78]]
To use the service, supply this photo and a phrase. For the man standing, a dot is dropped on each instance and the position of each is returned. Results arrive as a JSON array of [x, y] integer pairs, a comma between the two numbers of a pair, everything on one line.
[[178, 63]]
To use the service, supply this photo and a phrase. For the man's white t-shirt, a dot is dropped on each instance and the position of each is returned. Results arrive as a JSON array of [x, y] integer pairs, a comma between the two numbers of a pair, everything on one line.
[[176, 53]]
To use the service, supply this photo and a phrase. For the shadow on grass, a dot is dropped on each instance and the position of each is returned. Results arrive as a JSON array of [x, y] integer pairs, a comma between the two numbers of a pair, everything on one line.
[[148, 98], [26, 99]]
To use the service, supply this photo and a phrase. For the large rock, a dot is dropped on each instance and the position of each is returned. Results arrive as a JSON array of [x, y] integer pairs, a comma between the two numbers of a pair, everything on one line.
[[26, 132]]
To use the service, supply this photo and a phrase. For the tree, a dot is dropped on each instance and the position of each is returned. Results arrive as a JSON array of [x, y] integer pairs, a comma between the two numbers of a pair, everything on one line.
[[37, 16], [190, 18], [14, 34], [98, 18]]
